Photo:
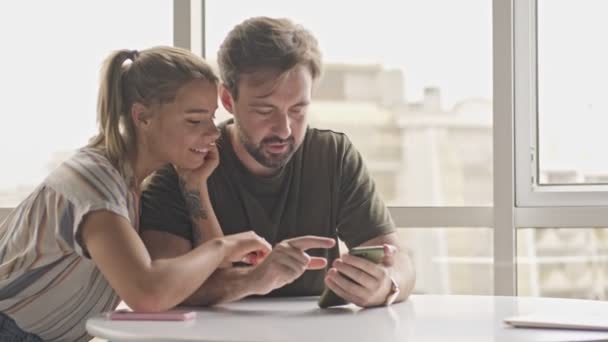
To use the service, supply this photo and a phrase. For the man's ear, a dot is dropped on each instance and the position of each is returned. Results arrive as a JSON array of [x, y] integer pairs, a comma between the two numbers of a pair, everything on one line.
[[140, 115], [226, 99]]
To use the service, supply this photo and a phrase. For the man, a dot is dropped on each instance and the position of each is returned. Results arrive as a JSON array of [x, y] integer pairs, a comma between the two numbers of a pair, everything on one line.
[[293, 185]]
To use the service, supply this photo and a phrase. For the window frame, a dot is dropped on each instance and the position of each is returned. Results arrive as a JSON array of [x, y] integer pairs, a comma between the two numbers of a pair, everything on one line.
[[529, 192]]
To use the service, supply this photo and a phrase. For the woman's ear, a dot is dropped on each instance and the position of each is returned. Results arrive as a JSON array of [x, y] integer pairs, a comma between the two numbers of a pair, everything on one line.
[[140, 115], [226, 99]]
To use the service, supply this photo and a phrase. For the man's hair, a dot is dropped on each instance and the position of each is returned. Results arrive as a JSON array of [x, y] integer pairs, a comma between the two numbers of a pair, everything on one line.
[[266, 43]]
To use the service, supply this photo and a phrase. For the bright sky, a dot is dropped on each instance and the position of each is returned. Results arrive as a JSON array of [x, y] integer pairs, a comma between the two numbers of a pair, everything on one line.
[[51, 59]]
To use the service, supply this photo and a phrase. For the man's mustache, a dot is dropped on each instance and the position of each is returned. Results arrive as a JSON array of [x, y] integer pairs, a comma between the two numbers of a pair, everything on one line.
[[277, 140]]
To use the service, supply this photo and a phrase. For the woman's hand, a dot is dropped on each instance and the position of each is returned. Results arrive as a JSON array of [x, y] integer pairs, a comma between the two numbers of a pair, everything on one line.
[[194, 179], [241, 246]]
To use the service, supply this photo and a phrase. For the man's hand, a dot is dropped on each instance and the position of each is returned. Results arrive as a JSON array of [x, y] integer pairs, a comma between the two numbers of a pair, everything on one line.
[[370, 283], [288, 261]]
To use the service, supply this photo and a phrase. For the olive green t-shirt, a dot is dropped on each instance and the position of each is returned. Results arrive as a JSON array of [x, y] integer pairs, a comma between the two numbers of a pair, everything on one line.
[[323, 190]]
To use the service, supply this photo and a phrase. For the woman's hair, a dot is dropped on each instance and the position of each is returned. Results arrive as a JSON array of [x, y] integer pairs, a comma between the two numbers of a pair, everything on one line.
[[153, 77], [261, 42]]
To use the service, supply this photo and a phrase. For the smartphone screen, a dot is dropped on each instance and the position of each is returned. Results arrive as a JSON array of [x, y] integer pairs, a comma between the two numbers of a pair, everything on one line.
[[171, 315], [374, 254]]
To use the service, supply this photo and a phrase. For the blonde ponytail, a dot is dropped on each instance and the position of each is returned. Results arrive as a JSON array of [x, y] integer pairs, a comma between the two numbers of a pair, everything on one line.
[[110, 107]]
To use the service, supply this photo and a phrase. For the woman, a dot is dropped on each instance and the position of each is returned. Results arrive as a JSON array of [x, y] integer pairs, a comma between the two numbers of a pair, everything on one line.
[[71, 249]]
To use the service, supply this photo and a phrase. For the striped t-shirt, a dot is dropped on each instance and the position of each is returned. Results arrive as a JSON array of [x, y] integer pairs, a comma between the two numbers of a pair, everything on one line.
[[48, 283]]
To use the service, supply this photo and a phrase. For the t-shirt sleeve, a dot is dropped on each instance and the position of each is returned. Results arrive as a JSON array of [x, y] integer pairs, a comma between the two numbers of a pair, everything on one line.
[[85, 183], [163, 207], [362, 214]]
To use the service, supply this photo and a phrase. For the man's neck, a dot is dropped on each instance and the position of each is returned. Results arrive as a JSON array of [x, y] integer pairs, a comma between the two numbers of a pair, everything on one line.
[[246, 159]]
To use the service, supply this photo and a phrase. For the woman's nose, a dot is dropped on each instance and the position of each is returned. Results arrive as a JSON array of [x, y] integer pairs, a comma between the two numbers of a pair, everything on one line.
[[211, 132]]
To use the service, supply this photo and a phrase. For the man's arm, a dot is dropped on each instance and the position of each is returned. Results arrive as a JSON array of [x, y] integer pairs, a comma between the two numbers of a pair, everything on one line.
[[364, 220]]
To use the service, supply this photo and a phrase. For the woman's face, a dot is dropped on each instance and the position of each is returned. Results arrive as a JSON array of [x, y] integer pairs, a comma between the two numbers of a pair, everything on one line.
[[181, 132]]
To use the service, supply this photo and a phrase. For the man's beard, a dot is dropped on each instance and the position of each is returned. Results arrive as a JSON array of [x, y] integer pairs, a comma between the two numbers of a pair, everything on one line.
[[272, 161]]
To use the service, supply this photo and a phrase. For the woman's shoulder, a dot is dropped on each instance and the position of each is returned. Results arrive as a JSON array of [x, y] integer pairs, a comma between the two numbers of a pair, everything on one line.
[[88, 171], [92, 162]]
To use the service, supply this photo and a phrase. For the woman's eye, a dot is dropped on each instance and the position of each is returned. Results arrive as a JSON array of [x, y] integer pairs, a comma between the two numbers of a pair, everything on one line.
[[264, 112], [298, 111], [194, 122]]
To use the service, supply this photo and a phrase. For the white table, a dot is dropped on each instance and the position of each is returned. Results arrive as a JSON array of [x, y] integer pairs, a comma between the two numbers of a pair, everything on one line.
[[421, 318]]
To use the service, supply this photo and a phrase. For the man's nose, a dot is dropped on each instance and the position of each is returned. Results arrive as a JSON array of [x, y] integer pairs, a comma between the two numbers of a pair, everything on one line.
[[282, 126]]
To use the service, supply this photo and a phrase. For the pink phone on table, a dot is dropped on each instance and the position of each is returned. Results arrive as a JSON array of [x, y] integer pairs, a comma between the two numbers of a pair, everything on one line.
[[171, 315]]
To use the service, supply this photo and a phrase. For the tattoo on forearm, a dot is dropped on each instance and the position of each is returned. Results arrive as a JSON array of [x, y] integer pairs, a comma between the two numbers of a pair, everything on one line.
[[193, 202]]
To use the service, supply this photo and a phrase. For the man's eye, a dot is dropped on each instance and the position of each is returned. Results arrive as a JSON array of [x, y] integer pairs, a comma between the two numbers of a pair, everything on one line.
[[264, 112], [194, 122]]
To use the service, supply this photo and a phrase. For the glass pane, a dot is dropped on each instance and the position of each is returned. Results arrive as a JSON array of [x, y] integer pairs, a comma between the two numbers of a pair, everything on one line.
[[411, 86], [451, 260], [572, 105], [563, 262], [50, 65]]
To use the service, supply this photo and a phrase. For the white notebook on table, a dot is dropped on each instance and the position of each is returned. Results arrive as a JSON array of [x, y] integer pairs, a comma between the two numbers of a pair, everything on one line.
[[560, 321]]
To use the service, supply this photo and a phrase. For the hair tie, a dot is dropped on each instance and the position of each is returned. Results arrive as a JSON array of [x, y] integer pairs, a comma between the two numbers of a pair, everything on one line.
[[133, 55]]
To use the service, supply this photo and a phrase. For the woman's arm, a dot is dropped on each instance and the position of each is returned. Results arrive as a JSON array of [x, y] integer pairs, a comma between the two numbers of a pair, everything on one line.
[[156, 285], [223, 285], [193, 185], [205, 225]]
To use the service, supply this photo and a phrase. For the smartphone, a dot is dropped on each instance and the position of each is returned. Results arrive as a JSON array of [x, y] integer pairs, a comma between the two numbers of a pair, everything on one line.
[[374, 254], [171, 315]]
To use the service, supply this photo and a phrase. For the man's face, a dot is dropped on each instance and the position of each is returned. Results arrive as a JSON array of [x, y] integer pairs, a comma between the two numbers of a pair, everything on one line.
[[270, 114]]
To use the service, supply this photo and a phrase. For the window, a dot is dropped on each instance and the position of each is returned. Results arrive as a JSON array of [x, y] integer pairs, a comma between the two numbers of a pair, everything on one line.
[[560, 186], [572, 106], [482, 116], [560, 107], [563, 262], [448, 263], [50, 67]]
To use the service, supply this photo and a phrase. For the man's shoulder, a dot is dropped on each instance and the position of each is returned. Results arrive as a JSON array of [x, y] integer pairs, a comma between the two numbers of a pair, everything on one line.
[[325, 145], [327, 138]]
